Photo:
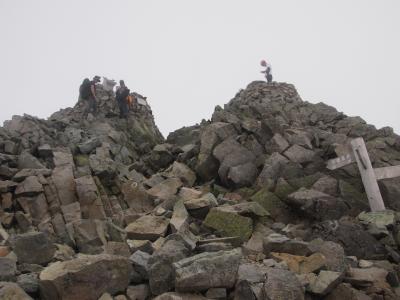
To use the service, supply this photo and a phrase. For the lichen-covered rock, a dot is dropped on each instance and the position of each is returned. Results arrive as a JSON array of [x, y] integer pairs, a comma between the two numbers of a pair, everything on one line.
[[229, 224], [11, 291]]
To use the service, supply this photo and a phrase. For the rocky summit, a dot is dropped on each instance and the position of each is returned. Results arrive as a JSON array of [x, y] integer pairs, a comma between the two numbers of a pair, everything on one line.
[[241, 206]]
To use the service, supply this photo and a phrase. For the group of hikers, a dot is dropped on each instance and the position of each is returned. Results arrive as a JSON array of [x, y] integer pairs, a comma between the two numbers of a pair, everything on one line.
[[87, 92]]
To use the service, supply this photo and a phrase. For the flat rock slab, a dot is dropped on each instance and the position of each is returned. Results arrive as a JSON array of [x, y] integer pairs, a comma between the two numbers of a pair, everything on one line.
[[86, 277], [326, 282], [166, 189], [283, 284], [207, 270], [30, 186], [147, 228], [280, 243]]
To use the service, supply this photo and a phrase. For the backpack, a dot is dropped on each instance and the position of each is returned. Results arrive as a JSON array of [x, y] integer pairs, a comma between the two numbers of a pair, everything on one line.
[[84, 90]]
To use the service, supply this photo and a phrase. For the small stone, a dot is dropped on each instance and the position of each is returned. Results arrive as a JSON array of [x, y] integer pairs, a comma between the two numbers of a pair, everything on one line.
[[365, 263]]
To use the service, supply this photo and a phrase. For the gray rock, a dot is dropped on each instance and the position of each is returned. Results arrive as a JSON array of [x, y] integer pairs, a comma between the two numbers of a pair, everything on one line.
[[89, 236], [33, 248], [28, 161], [317, 205], [63, 179], [10, 290], [166, 189], [86, 277], [138, 292], [279, 243], [161, 271], [140, 261], [282, 284], [29, 282], [299, 154], [193, 273], [8, 269], [89, 145], [216, 293], [89, 198], [325, 282], [345, 291], [183, 172]]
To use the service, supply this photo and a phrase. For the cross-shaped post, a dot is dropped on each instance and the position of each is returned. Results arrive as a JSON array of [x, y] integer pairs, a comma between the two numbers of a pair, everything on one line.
[[369, 175]]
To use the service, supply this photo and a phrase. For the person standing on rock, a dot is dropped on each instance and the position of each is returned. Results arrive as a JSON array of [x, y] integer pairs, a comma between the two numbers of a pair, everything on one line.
[[267, 71], [121, 96], [87, 91]]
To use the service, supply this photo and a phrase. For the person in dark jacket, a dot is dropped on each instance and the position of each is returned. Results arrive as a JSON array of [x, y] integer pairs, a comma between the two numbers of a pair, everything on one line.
[[121, 96]]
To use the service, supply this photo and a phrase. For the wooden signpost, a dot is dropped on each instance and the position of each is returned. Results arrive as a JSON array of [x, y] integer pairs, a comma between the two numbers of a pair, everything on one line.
[[369, 175]]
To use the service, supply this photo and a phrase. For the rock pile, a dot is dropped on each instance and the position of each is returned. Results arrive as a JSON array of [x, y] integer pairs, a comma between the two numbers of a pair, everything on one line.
[[238, 207]]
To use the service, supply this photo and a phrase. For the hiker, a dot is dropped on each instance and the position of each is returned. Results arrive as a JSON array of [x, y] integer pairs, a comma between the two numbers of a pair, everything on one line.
[[87, 91], [267, 70], [121, 95]]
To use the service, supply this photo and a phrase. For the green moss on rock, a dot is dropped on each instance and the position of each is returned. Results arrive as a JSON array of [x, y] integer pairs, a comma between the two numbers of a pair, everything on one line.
[[306, 181], [81, 160], [270, 202], [229, 224], [283, 189]]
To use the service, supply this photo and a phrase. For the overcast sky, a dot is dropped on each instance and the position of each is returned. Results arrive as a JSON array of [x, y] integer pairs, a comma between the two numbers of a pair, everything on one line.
[[188, 56]]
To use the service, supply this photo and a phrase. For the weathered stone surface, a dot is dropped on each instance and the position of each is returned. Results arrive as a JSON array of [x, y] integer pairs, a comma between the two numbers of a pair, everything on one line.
[[302, 264], [279, 243], [183, 172], [36, 207], [251, 209], [160, 269], [89, 145], [11, 291], [86, 277], [364, 277], [89, 198], [140, 261], [345, 291], [180, 296], [28, 161], [317, 205], [30, 186], [29, 282], [136, 197], [229, 224], [193, 273], [216, 293], [8, 269], [326, 282], [282, 284], [272, 204], [147, 228], [138, 292], [33, 248], [166, 189], [206, 201], [335, 259], [89, 236], [63, 179], [180, 217], [299, 154]]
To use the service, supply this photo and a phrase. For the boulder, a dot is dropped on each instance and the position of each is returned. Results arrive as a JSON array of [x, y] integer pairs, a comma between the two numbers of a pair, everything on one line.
[[11, 291], [28, 161], [282, 284], [206, 202], [89, 145], [193, 273], [160, 269], [183, 172], [86, 277], [180, 296], [89, 198], [136, 197], [63, 178], [29, 187], [8, 269], [138, 292], [36, 207], [29, 282], [317, 205], [325, 282], [166, 189], [279, 243], [229, 224], [140, 261], [147, 228], [345, 291], [277, 209], [180, 216], [335, 259], [33, 248], [299, 154], [89, 236]]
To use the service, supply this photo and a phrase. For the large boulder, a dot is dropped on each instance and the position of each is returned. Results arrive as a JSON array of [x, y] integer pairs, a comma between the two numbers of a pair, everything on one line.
[[229, 224], [147, 228], [8, 269], [86, 277], [11, 291], [33, 248], [166, 189], [63, 178], [89, 198], [282, 284], [207, 270], [30, 186], [183, 172], [160, 269]]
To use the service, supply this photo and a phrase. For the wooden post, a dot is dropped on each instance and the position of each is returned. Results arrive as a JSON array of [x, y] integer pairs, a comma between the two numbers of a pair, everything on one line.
[[367, 174]]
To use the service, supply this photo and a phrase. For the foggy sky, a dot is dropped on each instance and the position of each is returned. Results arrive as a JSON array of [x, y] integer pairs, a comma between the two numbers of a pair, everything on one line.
[[189, 56]]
